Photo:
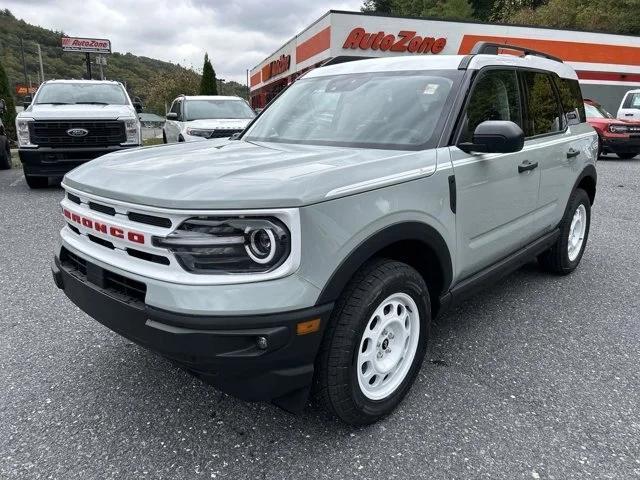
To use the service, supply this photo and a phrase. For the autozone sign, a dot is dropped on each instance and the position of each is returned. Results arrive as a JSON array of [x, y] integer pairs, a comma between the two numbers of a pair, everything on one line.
[[88, 45], [405, 41], [276, 67], [104, 228]]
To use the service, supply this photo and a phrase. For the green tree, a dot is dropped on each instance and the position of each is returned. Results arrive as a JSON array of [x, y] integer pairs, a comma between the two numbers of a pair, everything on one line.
[[9, 116], [165, 87], [208, 81], [454, 9], [378, 6]]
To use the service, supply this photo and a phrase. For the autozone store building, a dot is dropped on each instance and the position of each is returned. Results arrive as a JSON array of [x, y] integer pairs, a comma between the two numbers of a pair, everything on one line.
[[607, 65]]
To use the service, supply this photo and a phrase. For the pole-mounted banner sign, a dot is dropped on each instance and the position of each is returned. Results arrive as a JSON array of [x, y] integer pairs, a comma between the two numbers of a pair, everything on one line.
[[86, 45]]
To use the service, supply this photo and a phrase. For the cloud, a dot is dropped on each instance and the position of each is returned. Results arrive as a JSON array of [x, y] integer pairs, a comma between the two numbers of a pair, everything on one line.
[[236, 34]]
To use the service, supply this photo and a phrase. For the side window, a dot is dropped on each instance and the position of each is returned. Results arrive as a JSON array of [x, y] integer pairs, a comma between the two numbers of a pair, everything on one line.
[[175, 108], [632, 100], [571, 99], [542, 105], [495, 96]]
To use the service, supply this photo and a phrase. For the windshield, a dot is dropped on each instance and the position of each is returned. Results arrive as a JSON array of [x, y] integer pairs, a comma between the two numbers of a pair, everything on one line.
[[596, 111], [208, 109], [398, 110], [72, 93]]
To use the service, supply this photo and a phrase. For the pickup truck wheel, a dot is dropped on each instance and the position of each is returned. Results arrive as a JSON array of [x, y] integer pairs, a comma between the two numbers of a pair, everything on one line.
[[36, 182], [566, 253], [626, 155], [5, 159], [374, 344]]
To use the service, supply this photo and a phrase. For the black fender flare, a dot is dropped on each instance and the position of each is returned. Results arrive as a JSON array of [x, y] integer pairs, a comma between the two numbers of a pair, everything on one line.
[[416, 231], [590, 172]]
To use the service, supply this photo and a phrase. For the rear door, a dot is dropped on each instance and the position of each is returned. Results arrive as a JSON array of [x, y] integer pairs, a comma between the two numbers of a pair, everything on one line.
[[495, 200], [551, 143], [630, 106]]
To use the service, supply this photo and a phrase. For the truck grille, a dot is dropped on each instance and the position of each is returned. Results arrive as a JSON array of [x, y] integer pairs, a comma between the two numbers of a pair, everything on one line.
[[224, 133], [121, 287], [101, 133]]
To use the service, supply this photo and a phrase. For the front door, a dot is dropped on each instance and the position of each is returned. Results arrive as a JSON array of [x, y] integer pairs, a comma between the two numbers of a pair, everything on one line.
[[496, 196]]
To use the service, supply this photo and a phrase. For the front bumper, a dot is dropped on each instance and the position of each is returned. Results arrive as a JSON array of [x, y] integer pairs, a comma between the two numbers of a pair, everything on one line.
[[223, 351], [56, 162], [621, 144]]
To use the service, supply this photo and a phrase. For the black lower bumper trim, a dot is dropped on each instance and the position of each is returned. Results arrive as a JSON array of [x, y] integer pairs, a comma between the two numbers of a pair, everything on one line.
[[223, 351], [51, 162]]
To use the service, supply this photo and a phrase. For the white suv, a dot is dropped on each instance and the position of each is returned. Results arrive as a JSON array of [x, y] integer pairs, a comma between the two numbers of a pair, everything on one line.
[[193, 118]]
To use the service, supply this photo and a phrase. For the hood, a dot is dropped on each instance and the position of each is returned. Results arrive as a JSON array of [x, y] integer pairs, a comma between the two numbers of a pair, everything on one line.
[[77, 112], [223, 174], [231, 123]]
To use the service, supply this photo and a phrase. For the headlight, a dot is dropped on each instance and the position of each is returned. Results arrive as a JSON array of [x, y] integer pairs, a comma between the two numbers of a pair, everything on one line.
[[618, 129], [218, 245], [199, 133], [132, 128], [22, 128]]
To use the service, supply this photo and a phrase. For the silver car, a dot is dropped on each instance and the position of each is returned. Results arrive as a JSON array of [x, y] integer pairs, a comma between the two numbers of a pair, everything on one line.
[[313, 253]]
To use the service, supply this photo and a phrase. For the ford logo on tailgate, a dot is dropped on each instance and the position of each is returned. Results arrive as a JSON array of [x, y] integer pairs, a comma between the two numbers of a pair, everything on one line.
[[77, 132]]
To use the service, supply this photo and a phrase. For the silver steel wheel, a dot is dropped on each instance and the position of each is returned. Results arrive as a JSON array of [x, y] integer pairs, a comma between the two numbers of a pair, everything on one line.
[[576, 232], [388, 346]]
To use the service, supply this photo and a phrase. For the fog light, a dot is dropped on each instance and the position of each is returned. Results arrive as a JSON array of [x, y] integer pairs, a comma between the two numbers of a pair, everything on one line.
[[262, 343]]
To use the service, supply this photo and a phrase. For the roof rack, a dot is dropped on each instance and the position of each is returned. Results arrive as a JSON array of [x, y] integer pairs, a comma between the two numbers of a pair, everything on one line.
[[491, 48]]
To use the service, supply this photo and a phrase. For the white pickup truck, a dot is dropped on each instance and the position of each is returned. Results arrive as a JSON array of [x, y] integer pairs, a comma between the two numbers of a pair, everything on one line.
[[71, 122]]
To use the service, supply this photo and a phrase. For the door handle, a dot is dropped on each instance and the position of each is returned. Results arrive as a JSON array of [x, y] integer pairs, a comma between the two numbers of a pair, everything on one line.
[[527, 165], [628, 114], [573, 153]]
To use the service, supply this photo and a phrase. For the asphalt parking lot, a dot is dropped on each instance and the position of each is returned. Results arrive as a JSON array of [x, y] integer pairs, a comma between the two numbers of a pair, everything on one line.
[[537, 377]]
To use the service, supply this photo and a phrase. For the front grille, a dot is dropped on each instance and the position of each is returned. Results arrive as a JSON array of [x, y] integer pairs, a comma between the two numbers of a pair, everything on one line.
[[149, 219], [101, 133], [102, 208], [121, 287], [224, 133]]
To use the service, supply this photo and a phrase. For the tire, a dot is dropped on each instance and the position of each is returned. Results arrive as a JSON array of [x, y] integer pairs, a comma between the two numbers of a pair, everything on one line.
[[626, 155], [36, 182], [599, 148], [5, 160], [343, 365], [561, 259]]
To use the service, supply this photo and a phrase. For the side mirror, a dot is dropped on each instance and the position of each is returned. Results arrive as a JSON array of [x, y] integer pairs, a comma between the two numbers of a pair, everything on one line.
[[172, 116], [495, 136], [138, 106]]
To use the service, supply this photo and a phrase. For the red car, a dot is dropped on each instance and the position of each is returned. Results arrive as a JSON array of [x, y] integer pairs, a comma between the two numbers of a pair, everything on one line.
[[621, 137]]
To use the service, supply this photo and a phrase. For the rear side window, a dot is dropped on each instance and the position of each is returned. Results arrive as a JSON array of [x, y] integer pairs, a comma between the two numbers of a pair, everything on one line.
[[495, 96], [542, 105], [632, 100], [571, 99]]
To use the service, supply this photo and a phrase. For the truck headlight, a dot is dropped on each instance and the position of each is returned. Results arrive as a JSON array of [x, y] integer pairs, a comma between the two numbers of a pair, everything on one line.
[[194, 132], [618, 129], [132, 129], [219, 245], [22, 130]]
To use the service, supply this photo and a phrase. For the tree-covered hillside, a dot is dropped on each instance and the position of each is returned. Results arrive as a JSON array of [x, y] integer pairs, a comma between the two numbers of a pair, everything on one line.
[[139, 74]]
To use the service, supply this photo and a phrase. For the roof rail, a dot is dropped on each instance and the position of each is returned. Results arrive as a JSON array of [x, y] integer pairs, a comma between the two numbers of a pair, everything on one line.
[[491, 48]]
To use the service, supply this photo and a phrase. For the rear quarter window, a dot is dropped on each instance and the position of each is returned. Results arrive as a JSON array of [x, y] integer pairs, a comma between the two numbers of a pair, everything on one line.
[[571, 98], [632, 100]]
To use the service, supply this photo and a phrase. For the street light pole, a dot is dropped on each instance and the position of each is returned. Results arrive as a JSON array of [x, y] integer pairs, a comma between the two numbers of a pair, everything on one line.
[[24, 63], [41, 67]]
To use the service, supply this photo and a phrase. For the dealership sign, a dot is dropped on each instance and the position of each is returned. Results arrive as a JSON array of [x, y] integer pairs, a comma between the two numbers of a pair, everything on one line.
[[22, 90], [276, 67], [87, 45], [405, 41]]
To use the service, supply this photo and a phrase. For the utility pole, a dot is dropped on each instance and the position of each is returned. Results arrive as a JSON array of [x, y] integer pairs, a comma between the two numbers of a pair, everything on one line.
[[88, 58], [24, 63], [41, 67]]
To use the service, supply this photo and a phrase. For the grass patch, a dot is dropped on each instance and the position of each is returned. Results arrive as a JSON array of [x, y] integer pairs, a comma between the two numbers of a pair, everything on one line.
[[152, 141]]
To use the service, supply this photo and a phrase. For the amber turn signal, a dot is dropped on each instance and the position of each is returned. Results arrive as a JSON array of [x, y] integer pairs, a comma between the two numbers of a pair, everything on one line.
[[310, 326]]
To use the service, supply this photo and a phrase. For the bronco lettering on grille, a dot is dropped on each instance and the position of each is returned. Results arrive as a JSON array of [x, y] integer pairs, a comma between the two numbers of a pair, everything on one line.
[[109, 230]]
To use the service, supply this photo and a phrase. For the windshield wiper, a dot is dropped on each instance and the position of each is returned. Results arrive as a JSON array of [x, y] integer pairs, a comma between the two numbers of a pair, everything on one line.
[[53, 103], [92, 103]]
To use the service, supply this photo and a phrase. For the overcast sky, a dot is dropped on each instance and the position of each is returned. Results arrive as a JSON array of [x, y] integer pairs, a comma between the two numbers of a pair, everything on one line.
[[238, 34]]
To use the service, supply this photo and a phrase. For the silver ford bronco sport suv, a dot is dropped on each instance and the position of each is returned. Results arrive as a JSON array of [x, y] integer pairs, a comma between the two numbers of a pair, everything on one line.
[[312, 253]]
